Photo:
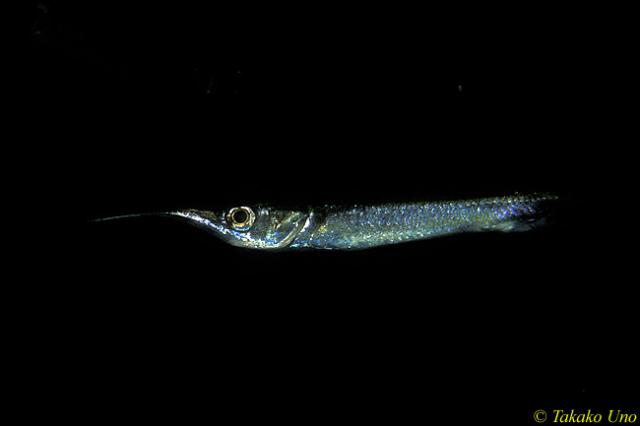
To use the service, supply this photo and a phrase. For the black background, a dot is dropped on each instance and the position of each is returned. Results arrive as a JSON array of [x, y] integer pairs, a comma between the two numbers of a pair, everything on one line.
[[155, 108]]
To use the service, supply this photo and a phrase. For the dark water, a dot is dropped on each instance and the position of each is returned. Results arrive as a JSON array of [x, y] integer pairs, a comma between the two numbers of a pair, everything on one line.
[[166, 107]]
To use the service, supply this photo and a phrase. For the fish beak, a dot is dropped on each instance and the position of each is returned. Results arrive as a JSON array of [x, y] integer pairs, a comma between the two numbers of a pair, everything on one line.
[[197, 217]]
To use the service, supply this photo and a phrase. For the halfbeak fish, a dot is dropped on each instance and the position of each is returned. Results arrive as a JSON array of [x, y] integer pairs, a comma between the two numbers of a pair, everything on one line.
[[352, 227]]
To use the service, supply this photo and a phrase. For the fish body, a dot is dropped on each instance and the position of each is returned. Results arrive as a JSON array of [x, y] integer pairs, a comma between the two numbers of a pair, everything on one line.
[[359, 227], [353, 227]]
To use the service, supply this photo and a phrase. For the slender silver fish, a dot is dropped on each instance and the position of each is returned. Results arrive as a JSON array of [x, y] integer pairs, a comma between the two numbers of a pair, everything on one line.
[[356, 226]]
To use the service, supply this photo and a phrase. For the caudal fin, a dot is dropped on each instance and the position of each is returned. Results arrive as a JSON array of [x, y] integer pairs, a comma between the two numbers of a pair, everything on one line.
[[537, 211]]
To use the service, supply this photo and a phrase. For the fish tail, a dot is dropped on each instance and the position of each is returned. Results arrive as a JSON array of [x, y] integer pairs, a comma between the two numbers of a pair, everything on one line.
[[536, 211]]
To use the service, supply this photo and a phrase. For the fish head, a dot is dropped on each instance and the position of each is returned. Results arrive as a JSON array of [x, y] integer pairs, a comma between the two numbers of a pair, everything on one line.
[[256, 227]]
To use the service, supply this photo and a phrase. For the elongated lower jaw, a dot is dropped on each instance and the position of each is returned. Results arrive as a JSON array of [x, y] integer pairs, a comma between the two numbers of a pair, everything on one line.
[[130, 216], [200, 218]]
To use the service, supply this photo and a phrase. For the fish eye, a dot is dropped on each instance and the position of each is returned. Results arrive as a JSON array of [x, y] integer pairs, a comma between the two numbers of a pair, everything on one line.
[[241, 218]]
